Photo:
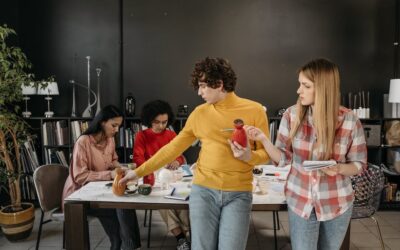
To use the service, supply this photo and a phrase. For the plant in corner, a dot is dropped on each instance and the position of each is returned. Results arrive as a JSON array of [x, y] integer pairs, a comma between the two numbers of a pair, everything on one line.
[[16, 219]]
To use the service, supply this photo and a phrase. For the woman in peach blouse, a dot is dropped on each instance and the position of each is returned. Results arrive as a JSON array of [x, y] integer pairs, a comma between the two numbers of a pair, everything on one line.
[[94, 159]]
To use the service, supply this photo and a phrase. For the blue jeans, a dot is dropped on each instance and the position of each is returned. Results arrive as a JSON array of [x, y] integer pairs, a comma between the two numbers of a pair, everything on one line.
[[312, 234], [219, 219]]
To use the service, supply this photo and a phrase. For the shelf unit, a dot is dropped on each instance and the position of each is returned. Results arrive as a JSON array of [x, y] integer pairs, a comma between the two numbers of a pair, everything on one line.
[[124, 152], [378, 154]]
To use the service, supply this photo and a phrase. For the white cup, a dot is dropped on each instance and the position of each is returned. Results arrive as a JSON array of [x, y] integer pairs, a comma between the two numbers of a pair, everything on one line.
[[178, 175]]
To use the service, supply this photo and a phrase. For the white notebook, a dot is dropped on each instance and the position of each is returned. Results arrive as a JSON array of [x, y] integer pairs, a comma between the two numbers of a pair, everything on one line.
[[314, 165]]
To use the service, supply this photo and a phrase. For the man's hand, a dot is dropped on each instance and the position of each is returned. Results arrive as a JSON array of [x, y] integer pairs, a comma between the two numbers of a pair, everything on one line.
[[173, 165], [331, 171], [240, 152], [130, 175]]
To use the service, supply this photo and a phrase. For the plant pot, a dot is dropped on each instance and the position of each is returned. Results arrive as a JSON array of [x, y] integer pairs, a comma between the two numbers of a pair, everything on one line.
[[17, 225]]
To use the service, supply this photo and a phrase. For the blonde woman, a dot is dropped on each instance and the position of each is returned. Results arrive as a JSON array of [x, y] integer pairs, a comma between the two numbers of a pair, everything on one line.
[[318, 128]]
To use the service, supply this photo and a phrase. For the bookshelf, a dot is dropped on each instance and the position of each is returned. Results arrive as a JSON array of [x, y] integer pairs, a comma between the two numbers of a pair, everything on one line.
[[58, 135], [29, 162], [380, 152]]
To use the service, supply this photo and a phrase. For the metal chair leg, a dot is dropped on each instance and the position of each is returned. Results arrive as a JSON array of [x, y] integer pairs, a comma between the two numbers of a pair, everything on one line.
[[149, 230], [277, 220], [379, 231], [64, 235], [40, 230], [275, 237], [145, 218]]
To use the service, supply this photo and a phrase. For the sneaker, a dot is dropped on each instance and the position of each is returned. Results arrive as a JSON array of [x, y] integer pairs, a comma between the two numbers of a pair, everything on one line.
[[183, 244]]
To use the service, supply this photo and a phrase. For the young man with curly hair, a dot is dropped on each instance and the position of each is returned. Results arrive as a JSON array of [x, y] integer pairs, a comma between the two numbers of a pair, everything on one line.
[[221, 199]]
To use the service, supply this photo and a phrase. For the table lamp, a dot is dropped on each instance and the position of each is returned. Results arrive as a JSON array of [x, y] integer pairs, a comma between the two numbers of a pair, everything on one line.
[[394, 97], [28, 90], [49, 90]]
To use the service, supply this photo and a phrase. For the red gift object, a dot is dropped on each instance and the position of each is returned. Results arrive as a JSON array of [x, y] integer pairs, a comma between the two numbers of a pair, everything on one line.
[[239, 134], [149, 179]]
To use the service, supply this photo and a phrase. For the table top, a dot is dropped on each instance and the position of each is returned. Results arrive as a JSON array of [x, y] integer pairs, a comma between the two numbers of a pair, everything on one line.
[[99, 192]]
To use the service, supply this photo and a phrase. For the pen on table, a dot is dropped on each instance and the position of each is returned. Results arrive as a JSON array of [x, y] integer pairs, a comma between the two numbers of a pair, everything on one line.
[[272, 174]]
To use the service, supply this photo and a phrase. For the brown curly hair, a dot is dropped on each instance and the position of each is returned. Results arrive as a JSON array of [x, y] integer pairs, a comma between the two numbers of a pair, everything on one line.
[[213, 71]]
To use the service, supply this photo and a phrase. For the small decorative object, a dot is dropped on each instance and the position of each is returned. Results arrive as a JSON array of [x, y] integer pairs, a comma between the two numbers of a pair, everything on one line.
[[239, 134], [28, 90], [49, 90], [85, 113], [130, 104], [280, 112], [394, 97], [392, 134], [144, 189], [88, 111], [117, 189], [73, 112], [182, 110], [165, 177], [257, 171], [98, 71]]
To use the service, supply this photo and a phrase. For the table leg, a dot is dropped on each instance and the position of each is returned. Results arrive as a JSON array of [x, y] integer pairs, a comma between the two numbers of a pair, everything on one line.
[[76, 226], [149, 230], [275, 237]]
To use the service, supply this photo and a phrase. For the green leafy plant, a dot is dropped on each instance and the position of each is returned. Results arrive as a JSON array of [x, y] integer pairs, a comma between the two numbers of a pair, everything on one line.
[[14, 67]]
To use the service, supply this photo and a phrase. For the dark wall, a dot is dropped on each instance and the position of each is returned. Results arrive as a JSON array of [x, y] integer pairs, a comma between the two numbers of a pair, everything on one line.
[[58, 35], [266, 42]]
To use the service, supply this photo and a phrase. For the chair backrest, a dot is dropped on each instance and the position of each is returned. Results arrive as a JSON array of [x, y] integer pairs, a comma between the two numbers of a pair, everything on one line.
[[49, 183], [368, 186]]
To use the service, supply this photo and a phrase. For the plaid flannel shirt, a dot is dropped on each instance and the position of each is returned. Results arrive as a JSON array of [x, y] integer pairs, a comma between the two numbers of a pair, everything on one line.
[[331, 196]]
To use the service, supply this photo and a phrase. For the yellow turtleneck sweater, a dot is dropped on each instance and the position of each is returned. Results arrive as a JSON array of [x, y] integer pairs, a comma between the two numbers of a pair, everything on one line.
[[216, 166]]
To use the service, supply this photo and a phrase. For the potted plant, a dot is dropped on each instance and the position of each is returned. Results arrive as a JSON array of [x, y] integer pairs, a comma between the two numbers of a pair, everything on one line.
[[17, 218]]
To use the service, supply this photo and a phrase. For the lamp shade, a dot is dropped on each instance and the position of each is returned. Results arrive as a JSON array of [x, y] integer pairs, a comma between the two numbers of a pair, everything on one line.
[[394, 91], [50, 89], [29, 89]]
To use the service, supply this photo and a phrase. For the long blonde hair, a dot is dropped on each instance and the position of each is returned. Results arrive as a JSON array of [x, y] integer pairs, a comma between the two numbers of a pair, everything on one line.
[[325, 76]]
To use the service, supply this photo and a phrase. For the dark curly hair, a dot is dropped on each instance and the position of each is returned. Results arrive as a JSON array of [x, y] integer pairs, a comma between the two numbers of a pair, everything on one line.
[[212, 71], [154, 108]]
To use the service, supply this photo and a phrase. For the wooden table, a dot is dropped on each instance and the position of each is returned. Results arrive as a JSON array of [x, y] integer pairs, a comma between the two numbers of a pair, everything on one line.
[[97, 195]]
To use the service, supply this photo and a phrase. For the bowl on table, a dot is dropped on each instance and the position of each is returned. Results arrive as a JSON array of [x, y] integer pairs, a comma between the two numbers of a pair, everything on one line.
[[144, 189]]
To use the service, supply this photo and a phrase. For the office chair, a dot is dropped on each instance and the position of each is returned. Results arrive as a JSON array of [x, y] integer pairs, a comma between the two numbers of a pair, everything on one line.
[[49, 183]]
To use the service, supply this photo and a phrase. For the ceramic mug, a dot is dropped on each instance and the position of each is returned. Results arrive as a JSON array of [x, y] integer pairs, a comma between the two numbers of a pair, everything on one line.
[[144, 189]]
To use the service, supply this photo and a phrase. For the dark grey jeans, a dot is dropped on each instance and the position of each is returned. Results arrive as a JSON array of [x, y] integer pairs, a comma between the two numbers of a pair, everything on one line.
[[121, 227]]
